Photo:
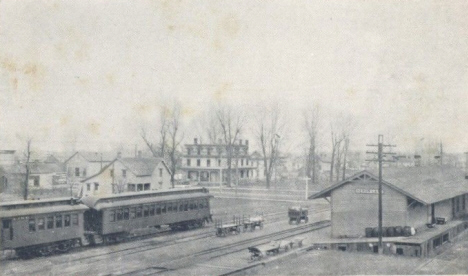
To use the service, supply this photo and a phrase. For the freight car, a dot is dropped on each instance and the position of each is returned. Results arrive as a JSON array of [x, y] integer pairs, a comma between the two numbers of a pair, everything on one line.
[[41, 227], [116, 217], [44, 227]]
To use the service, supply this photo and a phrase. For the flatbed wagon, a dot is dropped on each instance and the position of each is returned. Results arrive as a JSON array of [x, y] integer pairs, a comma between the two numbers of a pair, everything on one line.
[[274, 247], [253, 222], [223, 229]]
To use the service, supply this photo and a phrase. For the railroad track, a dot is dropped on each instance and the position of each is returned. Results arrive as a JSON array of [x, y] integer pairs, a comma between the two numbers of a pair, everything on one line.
[[207, 233], [219, 251]]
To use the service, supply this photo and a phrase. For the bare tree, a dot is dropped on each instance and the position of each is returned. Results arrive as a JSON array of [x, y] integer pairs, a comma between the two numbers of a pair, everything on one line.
[[231, 124], [161, 148], [269, 130], [341, 131], [28, 157], [311, 123], [175, 138], [120, 186]]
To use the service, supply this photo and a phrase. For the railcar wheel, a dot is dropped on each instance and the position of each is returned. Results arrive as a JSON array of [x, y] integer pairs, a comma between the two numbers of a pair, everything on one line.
[[23, 254], [64, 246], [45, 250]]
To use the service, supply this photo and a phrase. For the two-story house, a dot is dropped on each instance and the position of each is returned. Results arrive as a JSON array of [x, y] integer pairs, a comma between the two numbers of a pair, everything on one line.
[[205, 163], [128, 175]]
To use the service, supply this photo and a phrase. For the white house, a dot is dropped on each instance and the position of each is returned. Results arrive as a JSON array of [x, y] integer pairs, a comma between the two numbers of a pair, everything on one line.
[[128, 175]]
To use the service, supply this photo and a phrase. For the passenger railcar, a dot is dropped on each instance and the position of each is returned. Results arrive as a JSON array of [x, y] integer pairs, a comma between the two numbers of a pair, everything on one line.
[[115, 217], [41, 227]]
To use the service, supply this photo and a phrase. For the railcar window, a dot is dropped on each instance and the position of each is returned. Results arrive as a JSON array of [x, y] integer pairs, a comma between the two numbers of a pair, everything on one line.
[[163, 209], [181, 207], [58, 221], [32, 225], [191, 206], [6, 224], [132, 213], [75, 219], [151, 210], [158, 210], [195, 205], [174, 207], [145, 210], [50, 222], [119, 214], [66, 220], [40, 224], [112, 216], [200, 205], [138, 212], [169, 207], [186, 206], [126, 214]]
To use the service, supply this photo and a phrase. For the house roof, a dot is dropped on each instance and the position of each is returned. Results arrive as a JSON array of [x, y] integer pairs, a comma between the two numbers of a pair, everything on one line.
[[137, 166], [45, 168], [51, 159], [424, 184], [95, 156], [141, 166]]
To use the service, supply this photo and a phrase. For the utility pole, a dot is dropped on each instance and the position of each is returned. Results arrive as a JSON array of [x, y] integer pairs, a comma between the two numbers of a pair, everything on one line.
[[380, 160]]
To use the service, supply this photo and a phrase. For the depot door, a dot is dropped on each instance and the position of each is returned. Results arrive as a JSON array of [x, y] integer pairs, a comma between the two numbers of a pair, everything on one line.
[[7, 230]]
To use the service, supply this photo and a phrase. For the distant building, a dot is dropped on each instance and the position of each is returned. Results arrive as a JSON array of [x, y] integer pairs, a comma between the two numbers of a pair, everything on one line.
[[128, 175], [7, 157], [204, 163], [81, 165]]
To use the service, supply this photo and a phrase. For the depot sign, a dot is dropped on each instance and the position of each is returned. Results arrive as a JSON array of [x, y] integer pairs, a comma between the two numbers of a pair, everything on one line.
[[368, 191]]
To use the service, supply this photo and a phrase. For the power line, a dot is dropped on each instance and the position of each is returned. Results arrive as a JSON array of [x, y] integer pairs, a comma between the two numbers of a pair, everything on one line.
[[380, 155]]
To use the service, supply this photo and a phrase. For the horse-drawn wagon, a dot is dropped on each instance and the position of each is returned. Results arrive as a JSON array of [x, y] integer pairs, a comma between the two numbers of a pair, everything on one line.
[[253, 222]]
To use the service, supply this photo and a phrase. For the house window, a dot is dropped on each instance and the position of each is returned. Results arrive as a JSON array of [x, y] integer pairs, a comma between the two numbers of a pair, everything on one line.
[[124, 173], [96, 186], [160, 172], [36, 181], [188, 162], [189, 151], [219, 162], [131, 187], [84, 172], [208, 163], [198, 162], [208, 151], [198, 150], [32, 225], [88, 186], [247, 162], [77, 171], [140, 187], [242, 162], [111, 172], [146, 187]]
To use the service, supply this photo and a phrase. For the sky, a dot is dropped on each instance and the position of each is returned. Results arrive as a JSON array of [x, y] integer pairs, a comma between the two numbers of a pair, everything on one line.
[[87, 75]]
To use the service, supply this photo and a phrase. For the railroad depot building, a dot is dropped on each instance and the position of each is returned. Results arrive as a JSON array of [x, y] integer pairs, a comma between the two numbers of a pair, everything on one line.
[[432, 200]]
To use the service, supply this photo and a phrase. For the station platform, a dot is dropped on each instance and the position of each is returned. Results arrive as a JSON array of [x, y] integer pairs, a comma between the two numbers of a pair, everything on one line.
[[422, 244]]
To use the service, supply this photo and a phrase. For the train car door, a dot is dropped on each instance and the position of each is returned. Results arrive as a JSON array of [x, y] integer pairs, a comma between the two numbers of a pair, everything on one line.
[[7, 230]]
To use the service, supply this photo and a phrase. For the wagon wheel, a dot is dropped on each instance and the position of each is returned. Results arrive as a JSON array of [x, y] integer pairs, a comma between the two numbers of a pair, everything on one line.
[[23, 254], [238, 229]]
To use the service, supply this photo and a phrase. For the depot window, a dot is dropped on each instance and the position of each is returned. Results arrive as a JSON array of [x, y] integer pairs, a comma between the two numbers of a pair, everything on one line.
[[75, 219], [112, 216]]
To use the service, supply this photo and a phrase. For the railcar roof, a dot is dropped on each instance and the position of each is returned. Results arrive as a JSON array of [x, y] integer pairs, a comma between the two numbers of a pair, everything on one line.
[[42, 210], [93, 200], [111, 203], [32, 202]]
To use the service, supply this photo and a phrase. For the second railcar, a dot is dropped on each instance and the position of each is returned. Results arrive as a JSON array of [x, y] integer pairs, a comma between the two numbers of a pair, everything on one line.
[[115, 217]]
